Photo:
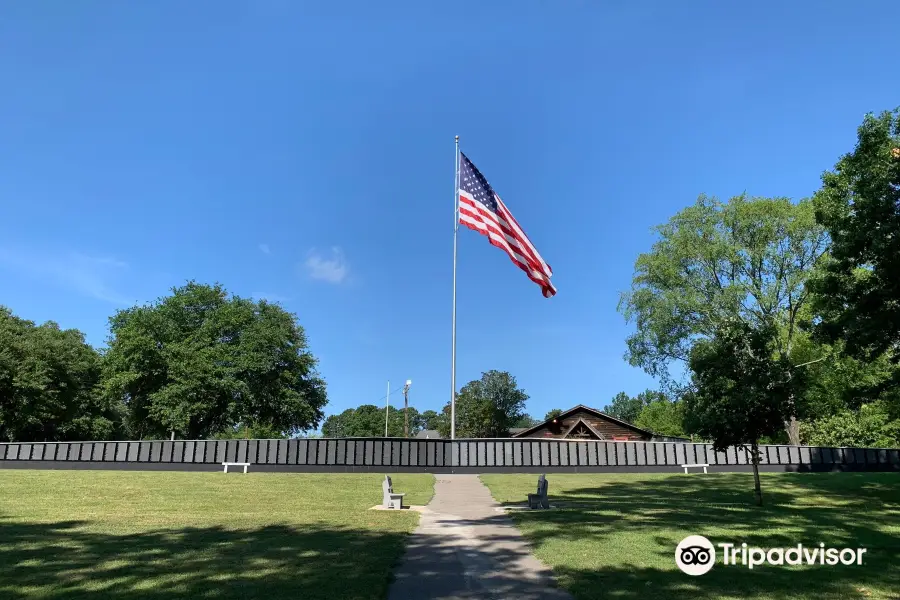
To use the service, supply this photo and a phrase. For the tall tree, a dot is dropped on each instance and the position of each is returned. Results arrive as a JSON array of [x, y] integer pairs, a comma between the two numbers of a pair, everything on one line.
[[857, 293], [250, 432], [839, 382], [367, 420], [747, 259], [487, 407], [871, 426], [341, 424], [432, 420], [397, 422], [526, 421], [743, 389], [200, 362], [48, 385], [626, 408], [552, 413], [662, 417]]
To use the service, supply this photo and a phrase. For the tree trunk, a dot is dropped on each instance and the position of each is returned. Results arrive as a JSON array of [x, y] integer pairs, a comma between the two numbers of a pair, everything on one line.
[[754, 459], [792, 428]]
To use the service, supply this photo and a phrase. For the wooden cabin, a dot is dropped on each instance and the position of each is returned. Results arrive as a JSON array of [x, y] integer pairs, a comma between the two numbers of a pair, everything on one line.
[[586, 423]]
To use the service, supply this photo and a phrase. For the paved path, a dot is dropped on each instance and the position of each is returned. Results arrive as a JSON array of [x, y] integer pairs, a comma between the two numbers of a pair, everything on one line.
[[465, 547]]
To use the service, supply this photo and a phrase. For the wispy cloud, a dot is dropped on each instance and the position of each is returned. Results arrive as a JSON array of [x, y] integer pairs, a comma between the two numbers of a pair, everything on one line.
[[264, 248], [330, 266], [91, 276]]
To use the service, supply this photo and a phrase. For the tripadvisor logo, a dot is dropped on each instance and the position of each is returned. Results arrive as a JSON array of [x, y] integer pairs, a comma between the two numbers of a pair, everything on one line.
[[696, 555]]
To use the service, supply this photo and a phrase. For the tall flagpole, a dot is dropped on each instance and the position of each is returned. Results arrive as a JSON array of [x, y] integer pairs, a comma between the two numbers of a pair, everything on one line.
[[453, 343]]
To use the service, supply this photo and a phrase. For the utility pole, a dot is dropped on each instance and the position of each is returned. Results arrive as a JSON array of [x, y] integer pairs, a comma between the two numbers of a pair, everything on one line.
[[406, 408]]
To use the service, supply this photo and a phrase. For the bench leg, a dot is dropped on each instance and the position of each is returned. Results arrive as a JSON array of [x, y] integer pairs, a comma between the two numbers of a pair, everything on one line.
[[245, 468], [685, 470], [225, 469], [704, 469]]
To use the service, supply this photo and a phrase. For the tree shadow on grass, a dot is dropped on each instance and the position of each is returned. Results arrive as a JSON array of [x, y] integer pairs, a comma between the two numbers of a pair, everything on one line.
[[840, 510], [473, 558], [65, 560], [635, 582]]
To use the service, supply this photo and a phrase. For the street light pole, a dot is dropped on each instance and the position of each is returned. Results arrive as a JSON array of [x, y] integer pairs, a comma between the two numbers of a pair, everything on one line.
[[406, 408]]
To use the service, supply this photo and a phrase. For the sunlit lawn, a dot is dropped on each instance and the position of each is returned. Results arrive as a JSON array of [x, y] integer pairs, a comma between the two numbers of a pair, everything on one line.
[[126, 535], [615, 535]]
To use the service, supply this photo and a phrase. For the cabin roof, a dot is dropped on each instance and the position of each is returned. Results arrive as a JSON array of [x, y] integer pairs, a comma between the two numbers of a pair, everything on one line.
[[594, 411]]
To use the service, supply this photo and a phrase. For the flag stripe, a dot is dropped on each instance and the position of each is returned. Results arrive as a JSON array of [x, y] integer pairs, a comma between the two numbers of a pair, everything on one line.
[[522, 242], [485, 228], [475, 216], [480, 208], [503, 226], [497, 240], [521, 234]]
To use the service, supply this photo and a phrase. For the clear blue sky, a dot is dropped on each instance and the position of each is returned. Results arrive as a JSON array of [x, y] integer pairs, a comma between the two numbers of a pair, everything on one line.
[[304, 152]]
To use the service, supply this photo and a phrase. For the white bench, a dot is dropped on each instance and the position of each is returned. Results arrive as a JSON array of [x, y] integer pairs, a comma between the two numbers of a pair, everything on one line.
[[698, 465], [234, 464], [391, 498]]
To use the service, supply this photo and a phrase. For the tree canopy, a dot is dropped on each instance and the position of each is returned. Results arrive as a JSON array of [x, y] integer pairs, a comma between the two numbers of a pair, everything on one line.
[[487, 407], [431, 420], [742, 389], [526, 421], [626, 408], [552, 414], [200, 362], [662, 417], [871, 426], [747, 259], [367, 420], [48, 380], [857, 293]]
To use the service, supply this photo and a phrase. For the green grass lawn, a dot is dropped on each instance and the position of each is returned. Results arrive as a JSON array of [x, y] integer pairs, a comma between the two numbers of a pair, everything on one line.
[[162, 535], [615, 535]]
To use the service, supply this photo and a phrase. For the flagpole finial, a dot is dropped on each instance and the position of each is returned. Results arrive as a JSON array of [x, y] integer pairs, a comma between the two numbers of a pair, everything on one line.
[[457, 139]]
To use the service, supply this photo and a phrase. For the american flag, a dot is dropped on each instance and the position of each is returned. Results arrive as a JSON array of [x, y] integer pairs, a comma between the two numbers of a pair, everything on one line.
[[482, 210]]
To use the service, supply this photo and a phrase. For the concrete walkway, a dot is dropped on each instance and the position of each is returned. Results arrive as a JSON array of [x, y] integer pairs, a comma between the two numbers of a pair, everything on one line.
[[465, 547]]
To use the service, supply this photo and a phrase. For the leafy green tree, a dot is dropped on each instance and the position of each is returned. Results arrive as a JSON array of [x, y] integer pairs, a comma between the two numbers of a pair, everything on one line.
[[526, 421], [487, 407], [340, 425], [552, 413], [432, 420], [396, 422], [839, 382], [857, 292], [250, 432], [626, 408], [48, 385], [747, 259], [367, 420], [872, 426], [200, 362], [743, 390], [662, 417]]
